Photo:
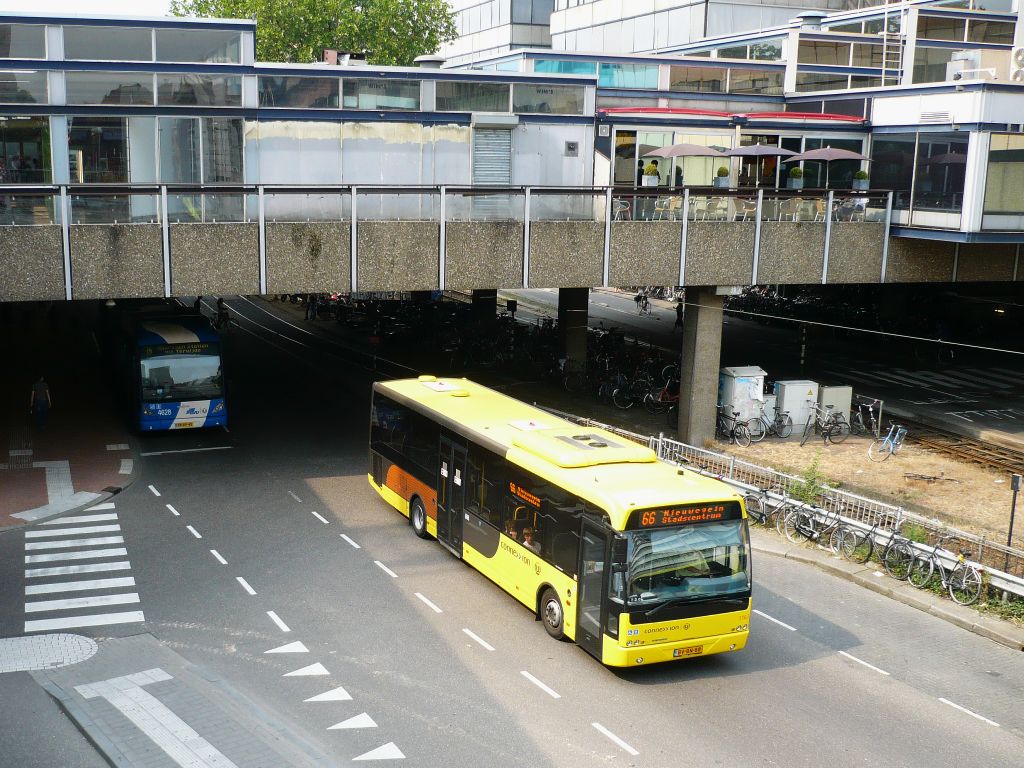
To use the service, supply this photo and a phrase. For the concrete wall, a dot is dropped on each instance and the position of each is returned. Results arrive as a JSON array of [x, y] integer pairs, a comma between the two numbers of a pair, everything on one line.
[[791, 252], [988, 262], [855, 252], [31, 263], [919, 261], [566, 254], [645, 253], [484, 254], [719, 252], [398, 255], [309, 258], [214, 258], [116, 261]]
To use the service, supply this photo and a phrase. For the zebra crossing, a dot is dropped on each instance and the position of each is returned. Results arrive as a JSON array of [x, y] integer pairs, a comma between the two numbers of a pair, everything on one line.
[[958, 381], [67, 565]]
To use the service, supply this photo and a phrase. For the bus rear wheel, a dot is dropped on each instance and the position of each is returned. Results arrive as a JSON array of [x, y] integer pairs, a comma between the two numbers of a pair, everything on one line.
[[551, 614], [418, 518]]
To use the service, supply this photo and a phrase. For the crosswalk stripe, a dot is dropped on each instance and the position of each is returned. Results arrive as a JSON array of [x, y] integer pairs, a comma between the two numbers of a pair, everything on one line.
[[79, 586], [69, 570], [87, 555], [933, 379], [65, 543], [98, 507], [94, 620], [82, 519], [73, 603], [71, 531], [902, 380], [977, 381], [1015, 378]]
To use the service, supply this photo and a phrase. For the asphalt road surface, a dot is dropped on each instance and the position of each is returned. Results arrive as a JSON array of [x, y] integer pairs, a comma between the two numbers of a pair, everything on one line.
[[270, 535]]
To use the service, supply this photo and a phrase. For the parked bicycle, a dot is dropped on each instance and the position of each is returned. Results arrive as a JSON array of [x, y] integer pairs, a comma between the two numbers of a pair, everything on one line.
[[882, 448], [962, 581], [781, 425], [830, 423], [865, 417], [663, 398], [729, 427]]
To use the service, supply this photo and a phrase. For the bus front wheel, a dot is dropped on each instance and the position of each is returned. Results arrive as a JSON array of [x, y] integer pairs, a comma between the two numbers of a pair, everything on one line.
[[551, 614], [418, 518]]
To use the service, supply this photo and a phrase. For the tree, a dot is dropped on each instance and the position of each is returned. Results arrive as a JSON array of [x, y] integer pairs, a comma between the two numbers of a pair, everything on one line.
[[392, 32]]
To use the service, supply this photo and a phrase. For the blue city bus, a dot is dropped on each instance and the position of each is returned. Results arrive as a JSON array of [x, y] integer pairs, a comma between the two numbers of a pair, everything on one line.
[[177, 373]]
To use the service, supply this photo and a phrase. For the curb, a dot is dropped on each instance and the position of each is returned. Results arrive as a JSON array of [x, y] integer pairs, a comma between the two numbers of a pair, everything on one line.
[[1002, 633]]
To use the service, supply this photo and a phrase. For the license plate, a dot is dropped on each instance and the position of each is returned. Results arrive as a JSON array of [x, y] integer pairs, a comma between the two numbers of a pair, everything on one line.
[[183, 425], [694, 650]]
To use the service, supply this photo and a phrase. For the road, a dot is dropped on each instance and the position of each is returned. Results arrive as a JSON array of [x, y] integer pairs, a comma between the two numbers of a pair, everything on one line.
[[277, 516], [979, 395]]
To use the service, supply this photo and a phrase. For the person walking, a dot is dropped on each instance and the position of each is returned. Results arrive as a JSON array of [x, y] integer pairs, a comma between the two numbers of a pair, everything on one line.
[[679, 315], [40, 403]]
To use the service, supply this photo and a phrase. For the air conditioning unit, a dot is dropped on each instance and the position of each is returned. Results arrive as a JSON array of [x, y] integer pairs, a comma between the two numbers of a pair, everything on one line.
[[1017, 65]]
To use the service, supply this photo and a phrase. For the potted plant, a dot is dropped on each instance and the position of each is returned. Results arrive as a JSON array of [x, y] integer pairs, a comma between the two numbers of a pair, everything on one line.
[[860, 180], [722, 177], [795, 178], [651, 178]]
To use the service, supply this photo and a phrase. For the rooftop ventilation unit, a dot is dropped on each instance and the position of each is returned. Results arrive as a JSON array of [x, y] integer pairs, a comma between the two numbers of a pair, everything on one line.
[[1017, 65], [811, 20]]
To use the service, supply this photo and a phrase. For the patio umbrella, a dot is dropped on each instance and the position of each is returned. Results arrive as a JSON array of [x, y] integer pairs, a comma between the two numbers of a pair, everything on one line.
[[759, 151], [685, 150], [826, 155]]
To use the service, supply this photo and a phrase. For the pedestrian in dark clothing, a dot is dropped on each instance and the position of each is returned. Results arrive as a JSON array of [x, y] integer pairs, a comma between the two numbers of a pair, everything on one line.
[[679, 315], [40, 403], [639, 173]]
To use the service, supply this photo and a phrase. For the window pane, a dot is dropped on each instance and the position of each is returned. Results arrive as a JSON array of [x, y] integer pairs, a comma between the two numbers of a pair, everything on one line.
[[548, 99], [628, 76], [215, 46], [381, 94], [697, 79], [892, 166], [625, 159], [766, 50], [815, 81], [867, 55], [109, 88], [222, 150], [941, 167], [981, 31], [1005, 174], [25, 150], [199, 90], [940, 28], [736, 52], [23, 88], [303, 92], [811, 52], [930, 64], [98, 149], [755, 81], [564, 67], [22, 41], [108, 43], [472, 97], [854, 28]]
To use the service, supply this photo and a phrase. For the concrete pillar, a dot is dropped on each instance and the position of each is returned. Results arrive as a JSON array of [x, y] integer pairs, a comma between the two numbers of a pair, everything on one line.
[[572, 325], [702, 347], [485, 305]]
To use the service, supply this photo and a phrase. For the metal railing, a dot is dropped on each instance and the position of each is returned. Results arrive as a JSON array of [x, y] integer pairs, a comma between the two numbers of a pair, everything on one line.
[[1003, 565]]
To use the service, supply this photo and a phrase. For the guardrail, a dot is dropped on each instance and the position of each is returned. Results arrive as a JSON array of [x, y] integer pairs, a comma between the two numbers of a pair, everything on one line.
[[1003, 565]]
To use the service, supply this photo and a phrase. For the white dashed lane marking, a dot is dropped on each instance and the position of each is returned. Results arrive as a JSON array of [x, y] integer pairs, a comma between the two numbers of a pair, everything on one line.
[[277, 620], [220, 559], [968, 712], [321, 518], [780, 623], [346, 538], [194, 532], [173, 511], [154, 490], [295, 497], [478, 639], [548, 690], [428, 603], [386, 570], [245, 585], [851, 657], [601, 729]]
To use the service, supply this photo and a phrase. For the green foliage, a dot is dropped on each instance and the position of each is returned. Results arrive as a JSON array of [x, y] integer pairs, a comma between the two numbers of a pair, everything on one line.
[[861, 175], [650, 170], [1011, 609], [796, 173], [812, 482], [722, 172], [392, 32], [916, 533]]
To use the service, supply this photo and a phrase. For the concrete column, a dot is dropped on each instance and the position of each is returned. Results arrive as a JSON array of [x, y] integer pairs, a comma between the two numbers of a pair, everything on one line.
[[572, 325], [485, 305], [698, 385]]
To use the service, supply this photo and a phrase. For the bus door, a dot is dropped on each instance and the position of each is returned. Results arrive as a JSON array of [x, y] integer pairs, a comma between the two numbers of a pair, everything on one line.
[[451, 494], [591, 611]]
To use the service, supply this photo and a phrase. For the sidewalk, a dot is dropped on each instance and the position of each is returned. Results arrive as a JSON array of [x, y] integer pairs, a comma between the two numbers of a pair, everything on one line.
[[84, 453]]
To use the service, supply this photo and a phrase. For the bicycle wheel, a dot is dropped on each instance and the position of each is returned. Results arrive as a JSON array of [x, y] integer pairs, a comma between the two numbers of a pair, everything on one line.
[[836, 538], [879, 451], [798, 526], [778, 517], [965, 584], [652, 403], [921, 571], [808, 429], [898, 559], [755, 508], [741, 435], [622, 397], [756, 429], [783, 426], [856, 545], [838, 431]]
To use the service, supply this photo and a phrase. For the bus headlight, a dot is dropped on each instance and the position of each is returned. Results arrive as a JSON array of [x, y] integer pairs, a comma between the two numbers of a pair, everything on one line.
[[217, 408], [741, 628], [149, 408]]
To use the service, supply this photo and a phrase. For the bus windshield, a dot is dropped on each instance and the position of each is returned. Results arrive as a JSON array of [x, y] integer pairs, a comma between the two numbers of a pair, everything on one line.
[[167, 376], [690, 562]]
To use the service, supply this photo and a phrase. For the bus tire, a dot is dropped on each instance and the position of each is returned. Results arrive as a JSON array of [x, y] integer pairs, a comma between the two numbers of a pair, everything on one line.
[[552, 615], [418, 517]]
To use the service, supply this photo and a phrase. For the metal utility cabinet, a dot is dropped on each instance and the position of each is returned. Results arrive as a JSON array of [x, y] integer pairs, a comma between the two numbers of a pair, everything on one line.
[[795, 397], [839, 397], [742, 387]]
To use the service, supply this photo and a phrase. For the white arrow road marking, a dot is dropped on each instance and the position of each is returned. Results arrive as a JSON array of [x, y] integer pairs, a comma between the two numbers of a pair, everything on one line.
[[296, 647], [359, 721], [337, 694], [311, 670], [168, 731], [388, 752]]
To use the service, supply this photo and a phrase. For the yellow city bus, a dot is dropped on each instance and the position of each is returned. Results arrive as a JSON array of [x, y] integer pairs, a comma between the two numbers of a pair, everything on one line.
[[635, 560]]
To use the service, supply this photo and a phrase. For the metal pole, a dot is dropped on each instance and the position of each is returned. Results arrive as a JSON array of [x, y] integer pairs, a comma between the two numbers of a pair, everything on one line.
[[526, 238], [803, 346], [65, 234], [262, 212], [1015, 485], [442, 247]]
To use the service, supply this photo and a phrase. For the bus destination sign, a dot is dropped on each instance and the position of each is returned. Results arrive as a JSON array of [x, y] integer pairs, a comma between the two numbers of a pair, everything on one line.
[[686, 514]]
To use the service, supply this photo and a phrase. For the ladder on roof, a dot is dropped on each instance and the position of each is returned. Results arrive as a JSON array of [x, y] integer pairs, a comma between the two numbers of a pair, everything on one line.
[[892, 45]]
